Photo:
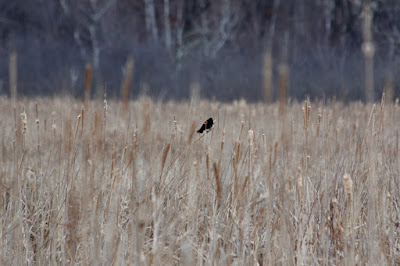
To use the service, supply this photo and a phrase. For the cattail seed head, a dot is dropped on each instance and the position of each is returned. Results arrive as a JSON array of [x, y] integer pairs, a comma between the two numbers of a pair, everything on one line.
[[299, 179], [164, 156], [348, 184], [23, 122], [251, 137], [105, 105], [175, 125]]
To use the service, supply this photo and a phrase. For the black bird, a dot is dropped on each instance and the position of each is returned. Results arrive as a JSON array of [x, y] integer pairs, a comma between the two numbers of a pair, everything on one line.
[[206, 125]]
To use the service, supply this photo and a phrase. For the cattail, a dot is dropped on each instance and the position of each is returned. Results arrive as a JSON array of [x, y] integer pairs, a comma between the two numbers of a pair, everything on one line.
[[348, 185], [13, 74], [54, 127], [175, 125], [38, 129], [241, 127], [217, 181], [105, 105], [251, 137], [246, 181], [126, 84], [37, 121], [267, 76], [77, 126], [88, 82], [382, 113], [235, 187], [37, 110], [147, 120], [237, 150], [23, 126], [275, 152], [283, 74], [23, 122], [164, 156], [105, 116], [83, 116], [135, 138], [319, 121], [389, 88], [306, 115], [372, 114]]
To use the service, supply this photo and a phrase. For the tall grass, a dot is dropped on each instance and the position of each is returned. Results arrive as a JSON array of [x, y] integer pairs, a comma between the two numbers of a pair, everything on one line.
[[318, 184]]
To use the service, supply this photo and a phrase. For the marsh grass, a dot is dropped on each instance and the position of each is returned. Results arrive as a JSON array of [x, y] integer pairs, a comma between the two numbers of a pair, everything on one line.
[[318, 184]]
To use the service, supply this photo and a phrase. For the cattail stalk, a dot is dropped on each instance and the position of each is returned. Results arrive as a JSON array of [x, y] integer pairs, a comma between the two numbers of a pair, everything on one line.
[[77, 125], [218, 182], [275, 152], [382, 113], [88, 82], [267, 76], [164, 156], [283, 73], [126, 84], [38, 132], [241, 127], [319, 121], [13, 74], [348, 187], [23, 127], [306, 118]]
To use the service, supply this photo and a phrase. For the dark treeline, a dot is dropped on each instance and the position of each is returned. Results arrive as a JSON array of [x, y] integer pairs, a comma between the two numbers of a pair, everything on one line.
[[217, 43]]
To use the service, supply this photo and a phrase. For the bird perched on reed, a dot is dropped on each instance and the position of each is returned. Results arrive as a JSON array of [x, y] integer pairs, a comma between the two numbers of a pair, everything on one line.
[[207, 125]]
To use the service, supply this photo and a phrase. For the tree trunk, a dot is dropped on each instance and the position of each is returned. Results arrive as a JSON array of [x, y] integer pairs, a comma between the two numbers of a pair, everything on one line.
[[167, 25], [150, 16], [368, 50], [179, 34]]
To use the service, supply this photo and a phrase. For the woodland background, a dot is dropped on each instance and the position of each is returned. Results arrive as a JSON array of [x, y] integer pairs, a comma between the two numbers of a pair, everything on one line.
[[217, 44]]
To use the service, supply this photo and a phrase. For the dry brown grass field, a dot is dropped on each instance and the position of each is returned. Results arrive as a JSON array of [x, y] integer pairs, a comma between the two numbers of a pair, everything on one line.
[[305, 184]]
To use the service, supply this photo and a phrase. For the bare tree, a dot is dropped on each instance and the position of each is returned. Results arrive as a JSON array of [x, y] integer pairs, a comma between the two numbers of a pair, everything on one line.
[[150, 15], [368, 49], [267, 58], [89, 16], [227, 20], [167, 25]]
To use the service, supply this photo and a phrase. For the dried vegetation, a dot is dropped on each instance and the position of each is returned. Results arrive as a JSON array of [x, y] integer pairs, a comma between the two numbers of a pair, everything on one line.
[[122, 184]]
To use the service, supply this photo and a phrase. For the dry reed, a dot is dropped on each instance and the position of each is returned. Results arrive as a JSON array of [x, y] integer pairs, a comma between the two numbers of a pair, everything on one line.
[[103, 186]]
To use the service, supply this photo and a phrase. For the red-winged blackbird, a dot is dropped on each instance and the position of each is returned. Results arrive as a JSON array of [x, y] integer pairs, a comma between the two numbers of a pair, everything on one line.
[[206, 126]]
